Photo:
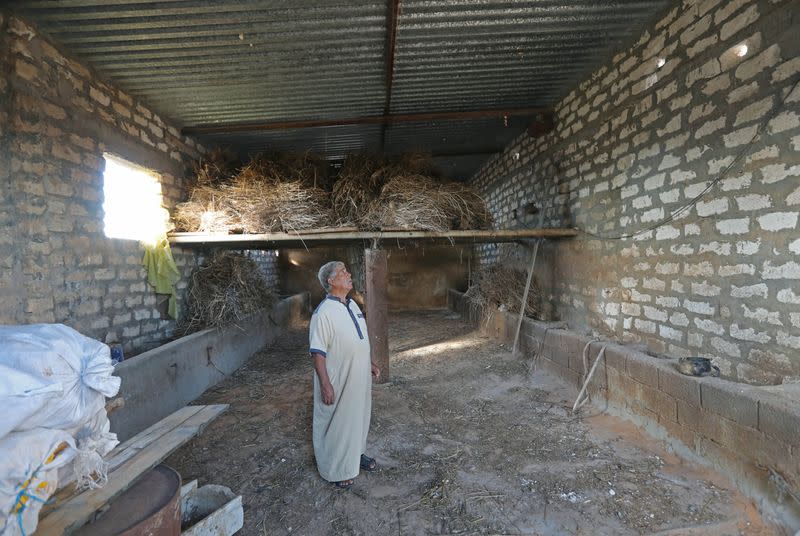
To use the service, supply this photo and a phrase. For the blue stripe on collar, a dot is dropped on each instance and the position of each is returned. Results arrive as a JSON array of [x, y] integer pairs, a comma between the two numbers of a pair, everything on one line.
[[350, 311]]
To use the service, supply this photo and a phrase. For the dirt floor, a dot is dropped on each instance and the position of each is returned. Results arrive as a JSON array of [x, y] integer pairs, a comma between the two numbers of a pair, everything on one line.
[[469, 441]]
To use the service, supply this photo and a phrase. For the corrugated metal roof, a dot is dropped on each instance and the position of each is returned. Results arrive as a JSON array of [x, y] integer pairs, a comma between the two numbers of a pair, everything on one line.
[[259, 61]]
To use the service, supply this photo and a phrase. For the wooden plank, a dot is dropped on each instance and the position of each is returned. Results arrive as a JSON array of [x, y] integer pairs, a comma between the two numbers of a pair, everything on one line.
[[323, 230], [75, 511], [277, 240], [376, 270], [123, 452]]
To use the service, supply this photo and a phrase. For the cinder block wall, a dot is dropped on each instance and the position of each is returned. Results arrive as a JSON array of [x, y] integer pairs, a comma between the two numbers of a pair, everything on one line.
[[57, 118], [750, 433], [640, 138]]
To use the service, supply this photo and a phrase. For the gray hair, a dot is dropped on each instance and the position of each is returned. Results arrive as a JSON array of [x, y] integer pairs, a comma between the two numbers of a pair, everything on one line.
[[326, 272]]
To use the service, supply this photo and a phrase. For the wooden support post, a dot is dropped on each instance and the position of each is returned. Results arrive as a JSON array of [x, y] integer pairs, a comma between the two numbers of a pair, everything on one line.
[[375, 268], [523, 305]]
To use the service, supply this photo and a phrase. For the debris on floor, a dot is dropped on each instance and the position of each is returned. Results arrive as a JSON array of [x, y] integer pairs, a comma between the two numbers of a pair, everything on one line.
[[468, 440]]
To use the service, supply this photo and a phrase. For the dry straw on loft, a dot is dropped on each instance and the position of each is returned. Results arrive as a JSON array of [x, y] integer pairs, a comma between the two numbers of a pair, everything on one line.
[[270, 193], [501, 286], [405, 193], [217, 167], [224, 291]]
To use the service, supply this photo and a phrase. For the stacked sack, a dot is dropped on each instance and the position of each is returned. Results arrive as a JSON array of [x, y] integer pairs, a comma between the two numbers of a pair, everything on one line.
[[53, 386]]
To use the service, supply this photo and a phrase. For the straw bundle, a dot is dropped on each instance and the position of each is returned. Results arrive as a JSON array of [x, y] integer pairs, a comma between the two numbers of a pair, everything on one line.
[[408, 202], [226, 289], [268, 194], [260, 206], [205, 212], [306, 168], [358, 184], [500, 285], [215, 168], [404, 193]]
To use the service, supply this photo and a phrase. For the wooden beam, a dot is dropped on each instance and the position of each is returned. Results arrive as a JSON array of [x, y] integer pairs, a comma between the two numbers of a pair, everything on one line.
[[376, 271], [366, 120], [292, 240]]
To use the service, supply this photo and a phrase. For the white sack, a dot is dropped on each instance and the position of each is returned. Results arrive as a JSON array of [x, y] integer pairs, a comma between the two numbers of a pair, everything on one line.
[[60, 354], [29, 463], [93, 441], [22, 395]]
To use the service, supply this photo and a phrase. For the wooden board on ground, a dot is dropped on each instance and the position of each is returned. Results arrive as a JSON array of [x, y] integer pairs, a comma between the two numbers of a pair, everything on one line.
[[71, 509]]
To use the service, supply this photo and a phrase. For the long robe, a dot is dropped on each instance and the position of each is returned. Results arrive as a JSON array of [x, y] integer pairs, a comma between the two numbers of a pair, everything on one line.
[[338, 331]]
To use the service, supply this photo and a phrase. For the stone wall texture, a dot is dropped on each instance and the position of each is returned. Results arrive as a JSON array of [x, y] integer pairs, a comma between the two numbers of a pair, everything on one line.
[[57, 118], [657, 144]]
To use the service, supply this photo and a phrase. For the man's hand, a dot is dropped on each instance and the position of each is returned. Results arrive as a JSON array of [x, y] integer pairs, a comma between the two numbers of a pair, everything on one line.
[[328, 394], [376, 372]]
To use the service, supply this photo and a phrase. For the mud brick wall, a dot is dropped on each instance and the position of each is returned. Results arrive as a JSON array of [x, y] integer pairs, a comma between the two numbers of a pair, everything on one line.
[[750, 433], [640, 138], [57, 118]]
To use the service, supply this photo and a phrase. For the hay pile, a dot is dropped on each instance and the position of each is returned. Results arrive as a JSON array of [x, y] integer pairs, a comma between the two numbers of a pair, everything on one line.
[[306, 168], [405, 193], [226, 289], [501, 286], [291, 192], [270, 193], [215, 168]]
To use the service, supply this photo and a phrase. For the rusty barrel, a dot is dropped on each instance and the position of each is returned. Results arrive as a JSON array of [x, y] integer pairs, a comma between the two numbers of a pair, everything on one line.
[[151, 507]]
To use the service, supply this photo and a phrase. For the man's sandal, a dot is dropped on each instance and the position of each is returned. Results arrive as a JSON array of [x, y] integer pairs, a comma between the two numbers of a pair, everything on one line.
[[368, 464], [344, 484]]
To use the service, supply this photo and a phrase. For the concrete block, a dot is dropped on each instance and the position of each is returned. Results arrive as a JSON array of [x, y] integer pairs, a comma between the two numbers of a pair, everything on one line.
[[642, 368], [573, 344], [659, 403], [679, 386], [779, 416], [622, 389], [616, 356], [733, 401], [572, 377], [729, 434], [575, 362], [688, 415], [681, 433], [558, 355]]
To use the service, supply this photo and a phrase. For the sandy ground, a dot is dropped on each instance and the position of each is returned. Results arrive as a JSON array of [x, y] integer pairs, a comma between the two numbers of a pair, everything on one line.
[[469, 441]]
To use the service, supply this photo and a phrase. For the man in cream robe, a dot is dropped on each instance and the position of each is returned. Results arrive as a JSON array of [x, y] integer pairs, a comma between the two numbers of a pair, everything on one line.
[[339, 346]]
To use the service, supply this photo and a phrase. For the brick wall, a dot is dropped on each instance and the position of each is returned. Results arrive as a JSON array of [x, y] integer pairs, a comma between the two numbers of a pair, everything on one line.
[[57, 119], [640, 138]]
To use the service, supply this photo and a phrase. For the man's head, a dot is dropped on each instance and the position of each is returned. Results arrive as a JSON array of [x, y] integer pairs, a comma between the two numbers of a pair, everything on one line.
[[334, 278]]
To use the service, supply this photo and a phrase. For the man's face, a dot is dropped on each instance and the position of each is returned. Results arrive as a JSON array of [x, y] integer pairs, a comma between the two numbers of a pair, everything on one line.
[[341, 279]]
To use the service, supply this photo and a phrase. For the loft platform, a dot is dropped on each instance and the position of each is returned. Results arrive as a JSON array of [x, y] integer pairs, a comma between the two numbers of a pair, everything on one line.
[[332, 236]]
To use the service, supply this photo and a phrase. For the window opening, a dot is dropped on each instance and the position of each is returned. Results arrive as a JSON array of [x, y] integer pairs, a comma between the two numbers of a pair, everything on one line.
[[133, 205]]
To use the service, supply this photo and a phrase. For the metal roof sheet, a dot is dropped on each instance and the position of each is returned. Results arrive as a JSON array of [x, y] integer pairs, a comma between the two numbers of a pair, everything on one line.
[[200, 62]]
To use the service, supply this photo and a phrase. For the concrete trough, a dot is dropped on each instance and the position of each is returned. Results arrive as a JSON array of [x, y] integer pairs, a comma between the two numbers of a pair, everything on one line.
[[164, 379]]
